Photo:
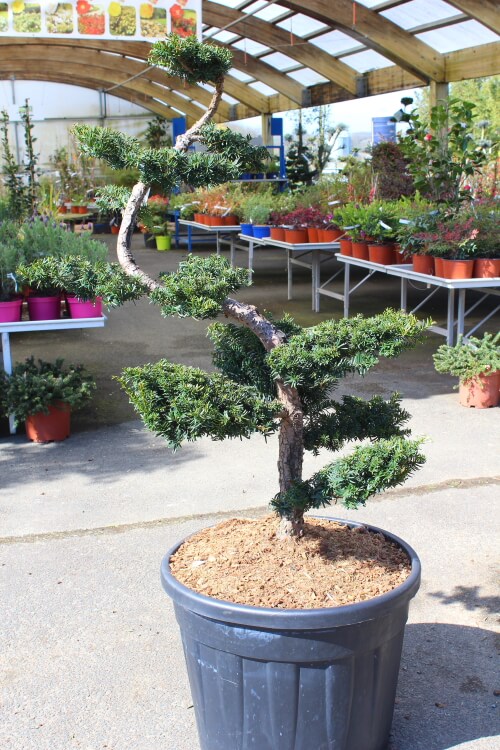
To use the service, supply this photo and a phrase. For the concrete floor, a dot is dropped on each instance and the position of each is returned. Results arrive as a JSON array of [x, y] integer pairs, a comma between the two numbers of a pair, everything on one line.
[[90, 656]]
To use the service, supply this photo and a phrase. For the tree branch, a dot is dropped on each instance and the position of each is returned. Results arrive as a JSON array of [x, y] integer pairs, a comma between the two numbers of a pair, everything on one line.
[[185, 140], [123, 244]]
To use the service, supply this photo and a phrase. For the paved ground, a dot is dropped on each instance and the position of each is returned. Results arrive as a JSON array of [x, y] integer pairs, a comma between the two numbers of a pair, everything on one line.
[[90, 655]]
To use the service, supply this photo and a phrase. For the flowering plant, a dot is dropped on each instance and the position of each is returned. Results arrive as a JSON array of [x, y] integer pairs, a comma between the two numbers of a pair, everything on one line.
[[304, 217], [457, 241]]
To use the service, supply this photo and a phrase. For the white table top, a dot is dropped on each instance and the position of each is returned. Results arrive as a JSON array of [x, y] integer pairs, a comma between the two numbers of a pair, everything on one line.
[[207, 228], [24, 326], [333, 246]]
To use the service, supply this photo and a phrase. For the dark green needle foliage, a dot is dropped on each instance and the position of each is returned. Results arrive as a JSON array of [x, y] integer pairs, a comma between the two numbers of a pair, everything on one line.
[[190, 60], [275, 375], [183, 403], [198, 288]]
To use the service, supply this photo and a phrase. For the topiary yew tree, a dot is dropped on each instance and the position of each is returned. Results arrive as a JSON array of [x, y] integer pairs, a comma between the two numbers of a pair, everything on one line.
[[275, 376]]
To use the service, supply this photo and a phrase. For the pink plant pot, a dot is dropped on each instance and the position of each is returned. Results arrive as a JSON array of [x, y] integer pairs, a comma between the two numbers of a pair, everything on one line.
[[44, 308], [88, 309], [11, 311]]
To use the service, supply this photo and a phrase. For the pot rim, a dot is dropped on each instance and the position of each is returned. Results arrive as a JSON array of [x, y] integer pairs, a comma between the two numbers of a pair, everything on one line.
[[296, 619]]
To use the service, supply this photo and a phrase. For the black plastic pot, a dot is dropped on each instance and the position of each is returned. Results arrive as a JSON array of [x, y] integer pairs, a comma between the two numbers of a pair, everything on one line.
[[274, 679]]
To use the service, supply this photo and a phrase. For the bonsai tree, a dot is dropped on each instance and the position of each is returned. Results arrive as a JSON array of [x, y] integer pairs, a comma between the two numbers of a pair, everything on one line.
[[33, 387], [274, 375], [469, 359]]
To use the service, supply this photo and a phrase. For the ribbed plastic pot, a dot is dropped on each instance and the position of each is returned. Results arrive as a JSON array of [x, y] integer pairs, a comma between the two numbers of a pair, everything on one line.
[[247, 229], [84, 309], [261, 231], [44, 308], [11, 311], [274, 679]]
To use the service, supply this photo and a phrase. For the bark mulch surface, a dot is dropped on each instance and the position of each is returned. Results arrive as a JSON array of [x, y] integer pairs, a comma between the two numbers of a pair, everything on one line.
[[242, 561]]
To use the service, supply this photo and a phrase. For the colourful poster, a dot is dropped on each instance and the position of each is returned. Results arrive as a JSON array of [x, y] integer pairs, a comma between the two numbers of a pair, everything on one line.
[[107, 19]]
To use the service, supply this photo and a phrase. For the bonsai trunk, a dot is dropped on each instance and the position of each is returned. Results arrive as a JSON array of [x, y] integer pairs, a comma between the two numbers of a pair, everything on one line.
[[291, 454]]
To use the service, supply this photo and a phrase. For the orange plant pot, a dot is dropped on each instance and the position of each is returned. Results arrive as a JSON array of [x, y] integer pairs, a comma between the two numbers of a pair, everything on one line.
[[198, 218], [481, 392], [231, 220], [360, 250], [62, 210], [296, 236], [82, 210], [278, 233], [54, 426], [315, 235], [345, 247], [332, 235], [216, 221], [383, 254], [423, 264], [438, 267], [457, 269], [115, 229], [486, 268]]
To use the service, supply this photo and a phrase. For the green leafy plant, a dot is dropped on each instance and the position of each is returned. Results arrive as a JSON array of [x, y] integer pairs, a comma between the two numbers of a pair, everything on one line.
[[443, 155], [469, 358], [379, 221], [82, 278], [274, 375], [33, 387], [16, 191]]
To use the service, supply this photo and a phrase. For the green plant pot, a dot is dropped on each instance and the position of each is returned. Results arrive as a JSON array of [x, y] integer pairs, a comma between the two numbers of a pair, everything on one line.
[[163, 243]]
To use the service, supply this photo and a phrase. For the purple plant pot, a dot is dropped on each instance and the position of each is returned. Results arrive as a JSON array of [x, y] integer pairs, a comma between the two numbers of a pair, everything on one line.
[[44, 308], [88, 309]]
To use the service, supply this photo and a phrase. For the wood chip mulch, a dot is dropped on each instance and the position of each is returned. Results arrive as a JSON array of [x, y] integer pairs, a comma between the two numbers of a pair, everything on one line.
[[242, 561]]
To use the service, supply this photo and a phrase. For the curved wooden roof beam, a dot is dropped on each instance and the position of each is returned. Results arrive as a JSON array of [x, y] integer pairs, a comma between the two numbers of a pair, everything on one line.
[[279, 40], [255, 103], [484, 11], [136, 97], [378, 33], [114, 71], [98, 74]]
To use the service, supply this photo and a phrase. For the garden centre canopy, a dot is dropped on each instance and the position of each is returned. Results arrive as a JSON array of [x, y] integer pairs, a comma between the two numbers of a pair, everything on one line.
[[286, 54]]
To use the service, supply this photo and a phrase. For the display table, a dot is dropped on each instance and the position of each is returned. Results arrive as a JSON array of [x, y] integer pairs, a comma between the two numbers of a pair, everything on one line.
[[28, 326], [219, 232], [296, 254], [406, 274]]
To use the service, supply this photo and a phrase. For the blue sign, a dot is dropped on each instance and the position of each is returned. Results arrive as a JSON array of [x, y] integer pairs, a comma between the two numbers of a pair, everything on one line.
[[383, 129]]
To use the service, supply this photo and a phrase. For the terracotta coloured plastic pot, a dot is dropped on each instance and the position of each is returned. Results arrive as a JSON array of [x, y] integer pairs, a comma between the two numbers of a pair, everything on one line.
[[231, 220], [486, 268], [345, 247], [114, 229], [62, 210], [314, 234], [216, 221], [80, 309], [11, 311], [278, 233], [332, 235], [423, 264], [480, 392], [457, 269], [438, 267], [277, 679], [82, 209], [54, 426], [383, 254], [44, 308], [360, 250], [296, 236], [198, 218]]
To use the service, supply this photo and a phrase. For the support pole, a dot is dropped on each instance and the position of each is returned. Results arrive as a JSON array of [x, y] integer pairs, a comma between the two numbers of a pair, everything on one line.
[[439, 97]]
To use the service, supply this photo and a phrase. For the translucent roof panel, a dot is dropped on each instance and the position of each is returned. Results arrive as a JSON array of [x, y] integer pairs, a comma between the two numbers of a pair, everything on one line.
[[335, 42], [301, 25], [253, 48], [262, 88], [280, 61], [367, 60], [229, 99], [307, 77], [240, 75], [418, 12], [458, 36], [225, 36], [228, 3], [270, 12]]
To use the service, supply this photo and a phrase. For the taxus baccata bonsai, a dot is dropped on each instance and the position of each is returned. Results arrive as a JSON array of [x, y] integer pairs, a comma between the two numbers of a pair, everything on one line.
[[274, 375]]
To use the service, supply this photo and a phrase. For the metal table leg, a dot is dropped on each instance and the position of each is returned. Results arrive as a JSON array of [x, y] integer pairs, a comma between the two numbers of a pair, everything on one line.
[[289, 273], [347, 284], [461, 313], [190, 243], [404, 294], [451, 317], [315, 279], [250, 261], [7, 366]]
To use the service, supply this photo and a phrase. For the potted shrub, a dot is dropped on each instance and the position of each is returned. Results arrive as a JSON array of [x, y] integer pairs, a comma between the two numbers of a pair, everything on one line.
[[453, 241], [87, 283], [258, 670], [351, 218], [476, 363], [487, 255], [379, 222], [256, 211], [43, 394], [10, 299]]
